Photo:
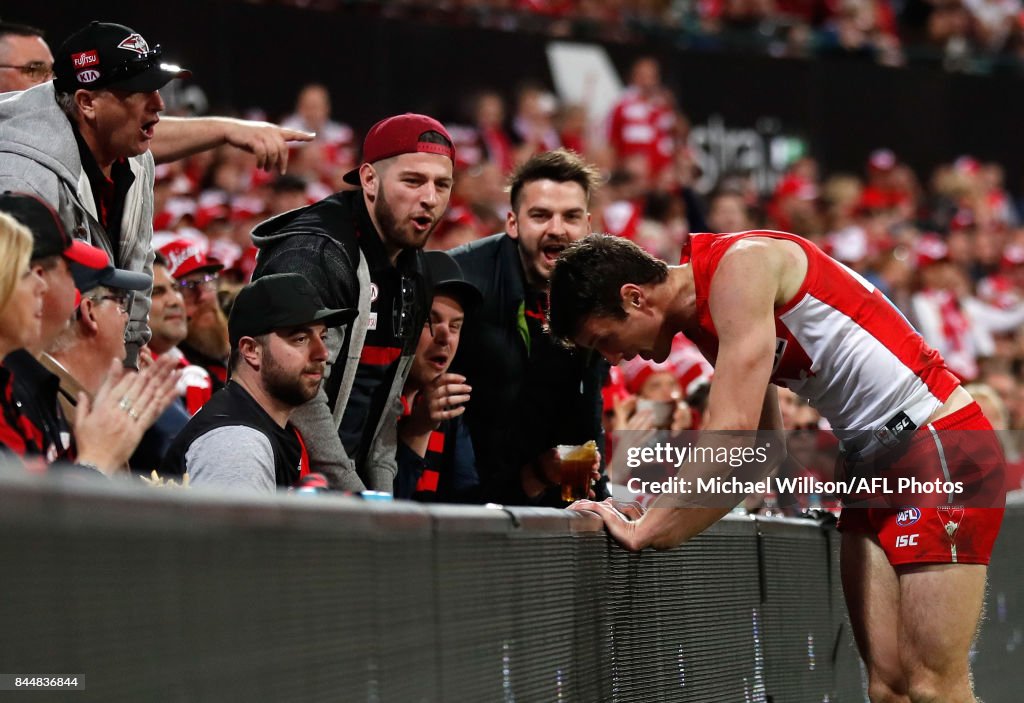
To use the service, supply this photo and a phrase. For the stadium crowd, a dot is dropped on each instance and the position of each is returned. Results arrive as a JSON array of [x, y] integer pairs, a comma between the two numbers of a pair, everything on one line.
[[418, 413], [960, 35]]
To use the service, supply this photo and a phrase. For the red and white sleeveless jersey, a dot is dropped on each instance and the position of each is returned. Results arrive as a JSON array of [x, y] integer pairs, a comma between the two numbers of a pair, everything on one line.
[[839, 342]]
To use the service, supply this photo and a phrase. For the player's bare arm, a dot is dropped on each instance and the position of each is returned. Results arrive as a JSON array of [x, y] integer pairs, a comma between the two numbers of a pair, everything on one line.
[[751, 280]]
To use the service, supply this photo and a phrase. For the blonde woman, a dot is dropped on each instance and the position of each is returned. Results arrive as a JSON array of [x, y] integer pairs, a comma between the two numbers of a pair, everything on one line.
[[21, 319], [21, 290]]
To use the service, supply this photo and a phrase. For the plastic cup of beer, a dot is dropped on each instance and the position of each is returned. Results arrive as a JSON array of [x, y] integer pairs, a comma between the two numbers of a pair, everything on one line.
[[577, 464]]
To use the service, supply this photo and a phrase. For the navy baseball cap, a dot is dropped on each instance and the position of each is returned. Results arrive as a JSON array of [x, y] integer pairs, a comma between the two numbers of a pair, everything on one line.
[[107, 55], [86, 278]]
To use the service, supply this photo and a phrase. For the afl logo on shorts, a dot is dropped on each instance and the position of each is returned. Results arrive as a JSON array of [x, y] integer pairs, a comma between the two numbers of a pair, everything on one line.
[[373, 292], [908, 517]]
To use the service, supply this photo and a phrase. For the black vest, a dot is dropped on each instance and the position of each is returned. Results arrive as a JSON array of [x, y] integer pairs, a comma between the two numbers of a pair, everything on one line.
[[232, 405]]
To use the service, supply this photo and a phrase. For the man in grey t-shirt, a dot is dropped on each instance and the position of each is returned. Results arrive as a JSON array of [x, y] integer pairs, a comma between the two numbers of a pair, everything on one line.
[[242, 437]]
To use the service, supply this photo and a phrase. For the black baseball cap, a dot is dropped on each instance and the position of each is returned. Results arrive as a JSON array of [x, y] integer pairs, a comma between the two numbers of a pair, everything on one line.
[[447, 275], [279, 301], [107, 55]]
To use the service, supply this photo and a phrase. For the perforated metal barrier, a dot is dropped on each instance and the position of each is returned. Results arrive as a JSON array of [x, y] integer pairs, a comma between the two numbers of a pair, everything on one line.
[[182, 596]]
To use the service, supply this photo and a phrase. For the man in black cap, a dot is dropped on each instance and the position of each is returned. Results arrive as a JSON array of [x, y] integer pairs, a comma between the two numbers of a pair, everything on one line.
[[82, 144], [26, 61], [65, 264], [242, 437], [435, 454]]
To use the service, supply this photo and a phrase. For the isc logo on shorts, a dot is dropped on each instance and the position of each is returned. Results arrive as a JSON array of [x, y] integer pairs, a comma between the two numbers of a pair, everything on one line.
[[908, 517], [907, 540]]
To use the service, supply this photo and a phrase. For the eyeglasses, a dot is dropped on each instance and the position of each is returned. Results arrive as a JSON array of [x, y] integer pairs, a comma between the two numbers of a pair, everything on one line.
[[192, 290], [402, 319], [122, 299], [36, 70]]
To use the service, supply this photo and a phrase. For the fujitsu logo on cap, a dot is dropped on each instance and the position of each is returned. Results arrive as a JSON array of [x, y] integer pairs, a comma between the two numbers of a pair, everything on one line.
[[89, 75], [134, 42], [85, 58]]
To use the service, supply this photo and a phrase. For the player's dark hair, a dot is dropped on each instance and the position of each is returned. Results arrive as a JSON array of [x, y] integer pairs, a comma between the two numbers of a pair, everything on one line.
[[588, 277]]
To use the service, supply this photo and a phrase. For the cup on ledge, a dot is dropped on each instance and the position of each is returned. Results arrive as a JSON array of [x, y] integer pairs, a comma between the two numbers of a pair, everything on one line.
[[577, 464]]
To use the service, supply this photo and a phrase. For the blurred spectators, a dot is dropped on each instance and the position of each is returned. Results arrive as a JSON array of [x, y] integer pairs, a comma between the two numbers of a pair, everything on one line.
[[642, 124], [313, 114], [25, 59], [196, 276], [533, 125]]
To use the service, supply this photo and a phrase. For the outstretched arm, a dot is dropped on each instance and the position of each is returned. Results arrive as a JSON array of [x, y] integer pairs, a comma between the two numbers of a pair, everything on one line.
[[178, 137]]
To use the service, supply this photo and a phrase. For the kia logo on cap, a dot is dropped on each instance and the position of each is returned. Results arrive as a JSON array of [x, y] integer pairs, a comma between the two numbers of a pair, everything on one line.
[[88, 76]]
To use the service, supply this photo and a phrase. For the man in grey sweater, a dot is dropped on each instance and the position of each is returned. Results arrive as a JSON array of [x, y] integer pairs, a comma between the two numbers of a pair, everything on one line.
[[82, 144]]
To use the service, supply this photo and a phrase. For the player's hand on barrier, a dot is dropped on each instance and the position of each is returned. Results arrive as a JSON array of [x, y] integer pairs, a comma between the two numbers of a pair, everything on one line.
[[631, 509], [619, 525], [267, 142], [110, 426]]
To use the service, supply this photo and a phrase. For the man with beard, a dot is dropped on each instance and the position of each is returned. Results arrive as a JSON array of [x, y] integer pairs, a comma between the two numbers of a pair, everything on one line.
[[529, 393], [362, 249], [196, 277], [242, 437]]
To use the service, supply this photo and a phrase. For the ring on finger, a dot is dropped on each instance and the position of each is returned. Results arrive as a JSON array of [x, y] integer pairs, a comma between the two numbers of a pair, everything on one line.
[[125, 403], [132, 414]]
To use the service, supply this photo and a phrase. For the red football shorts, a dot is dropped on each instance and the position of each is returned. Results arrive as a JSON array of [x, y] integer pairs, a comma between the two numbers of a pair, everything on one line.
[[914, 527]]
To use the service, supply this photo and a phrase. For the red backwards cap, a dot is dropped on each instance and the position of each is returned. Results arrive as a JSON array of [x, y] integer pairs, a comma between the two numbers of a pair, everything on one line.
[[398, 135]]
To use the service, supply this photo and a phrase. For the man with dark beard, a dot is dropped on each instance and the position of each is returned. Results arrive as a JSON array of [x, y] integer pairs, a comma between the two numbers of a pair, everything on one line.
[[242, 437], [362, 249], [196, 278]]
